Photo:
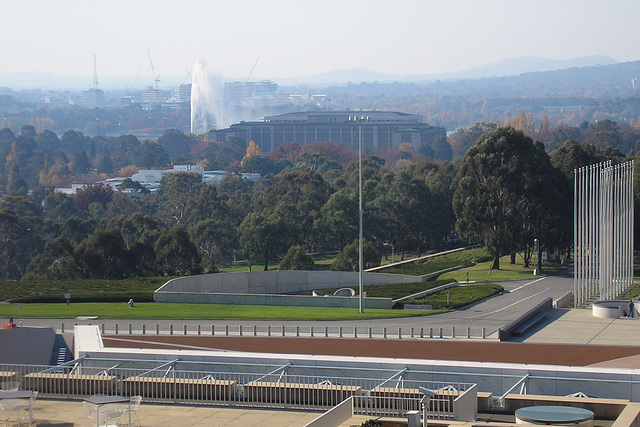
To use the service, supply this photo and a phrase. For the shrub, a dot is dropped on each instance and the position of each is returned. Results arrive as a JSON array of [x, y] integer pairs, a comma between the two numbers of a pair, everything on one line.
[[347, 260], [296, 259], [137, 296]]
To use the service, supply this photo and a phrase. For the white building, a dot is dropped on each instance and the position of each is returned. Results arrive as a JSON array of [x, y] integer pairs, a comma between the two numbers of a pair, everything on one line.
[[150, 178], [181, 94]]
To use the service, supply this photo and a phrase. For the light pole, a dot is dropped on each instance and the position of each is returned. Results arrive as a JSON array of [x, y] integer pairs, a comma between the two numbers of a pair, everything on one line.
[[536, 246], [360, 119]]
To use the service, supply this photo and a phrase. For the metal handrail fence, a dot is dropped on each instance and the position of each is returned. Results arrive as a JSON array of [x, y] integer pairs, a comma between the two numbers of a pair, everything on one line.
[[291, 391], [438, 332], [104, 375], [439, 409]]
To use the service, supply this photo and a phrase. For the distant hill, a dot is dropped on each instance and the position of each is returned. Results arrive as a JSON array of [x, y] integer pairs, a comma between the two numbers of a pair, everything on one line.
[[528, 64], [507, 67], [592, 82]]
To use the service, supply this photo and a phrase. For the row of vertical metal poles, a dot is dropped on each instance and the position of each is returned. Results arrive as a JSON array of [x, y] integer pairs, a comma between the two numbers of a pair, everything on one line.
[[603, 231]]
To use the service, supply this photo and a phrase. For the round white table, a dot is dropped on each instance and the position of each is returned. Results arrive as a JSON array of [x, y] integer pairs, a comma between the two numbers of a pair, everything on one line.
[[555, 416]]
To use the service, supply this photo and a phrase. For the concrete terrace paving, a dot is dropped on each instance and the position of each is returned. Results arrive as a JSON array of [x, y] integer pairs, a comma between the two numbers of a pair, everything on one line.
[[63, 413], [579, 326]]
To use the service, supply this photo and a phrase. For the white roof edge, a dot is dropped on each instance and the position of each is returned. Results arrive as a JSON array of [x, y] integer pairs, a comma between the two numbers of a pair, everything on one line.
[[86, 338]]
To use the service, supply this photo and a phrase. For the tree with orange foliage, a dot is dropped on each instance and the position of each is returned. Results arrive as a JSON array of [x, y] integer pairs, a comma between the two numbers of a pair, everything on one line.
[[252, 150], [128, 171]]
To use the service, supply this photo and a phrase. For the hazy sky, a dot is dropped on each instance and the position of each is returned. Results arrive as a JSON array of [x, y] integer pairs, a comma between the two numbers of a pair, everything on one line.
[[302, 37]]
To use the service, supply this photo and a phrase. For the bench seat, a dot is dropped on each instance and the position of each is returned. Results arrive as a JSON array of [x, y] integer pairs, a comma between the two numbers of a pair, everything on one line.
[[69, 384], [179, 388], [299, 394]]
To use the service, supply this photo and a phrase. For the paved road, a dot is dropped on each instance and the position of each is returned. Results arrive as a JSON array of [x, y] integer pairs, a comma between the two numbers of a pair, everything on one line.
[[519, 296]]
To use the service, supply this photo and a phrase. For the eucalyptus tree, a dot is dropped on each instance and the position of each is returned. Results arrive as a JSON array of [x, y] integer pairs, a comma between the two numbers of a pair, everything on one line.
[[207, 205], [55, 262], [348, 258], [175, 191], [104, 256], [20, 241], [176, 255], [136, 226], [296, 198], [216, 240], [505, 192], [262, 236], [339, 218]]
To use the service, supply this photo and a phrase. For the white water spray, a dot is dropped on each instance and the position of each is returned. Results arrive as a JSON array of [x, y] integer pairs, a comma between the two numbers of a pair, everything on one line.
[[209, 109], [207, 101]]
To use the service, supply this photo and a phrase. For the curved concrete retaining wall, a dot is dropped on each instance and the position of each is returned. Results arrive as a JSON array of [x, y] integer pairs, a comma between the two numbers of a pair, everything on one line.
[[269, 299], [275, 288], [610, 309], [278, 282]]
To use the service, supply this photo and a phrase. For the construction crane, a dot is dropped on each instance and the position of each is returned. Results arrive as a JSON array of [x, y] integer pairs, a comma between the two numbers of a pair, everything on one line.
[[251, 70], [156, 77]]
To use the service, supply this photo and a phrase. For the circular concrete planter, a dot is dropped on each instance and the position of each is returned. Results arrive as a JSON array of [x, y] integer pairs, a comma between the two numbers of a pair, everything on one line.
[[610, 309]]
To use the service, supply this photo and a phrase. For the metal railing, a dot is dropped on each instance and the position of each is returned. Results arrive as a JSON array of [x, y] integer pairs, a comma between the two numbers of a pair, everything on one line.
[[440, 408], [279, 389], [438, 332]]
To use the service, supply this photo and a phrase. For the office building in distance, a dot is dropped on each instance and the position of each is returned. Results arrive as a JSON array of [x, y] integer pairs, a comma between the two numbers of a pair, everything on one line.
[[251, 94], [383, 129]]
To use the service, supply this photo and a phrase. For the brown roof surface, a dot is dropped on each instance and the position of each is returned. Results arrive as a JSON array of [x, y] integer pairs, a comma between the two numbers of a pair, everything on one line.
[[546, 354]]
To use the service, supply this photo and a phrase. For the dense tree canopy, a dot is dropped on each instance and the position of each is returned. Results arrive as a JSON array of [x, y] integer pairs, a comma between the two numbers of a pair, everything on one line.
[[505, 191]]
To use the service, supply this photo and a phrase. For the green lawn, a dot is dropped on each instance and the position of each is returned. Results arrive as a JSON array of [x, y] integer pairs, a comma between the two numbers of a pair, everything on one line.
[[321, 262], [195, 311], [482, 272], [460, 296], [394, 290], [442, 262], [47, 296]]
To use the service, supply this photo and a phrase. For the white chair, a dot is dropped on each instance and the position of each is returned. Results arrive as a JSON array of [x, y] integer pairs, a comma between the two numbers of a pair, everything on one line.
[[112, 413], [135, 404], [11, 385], [115, 412], [89, 412], [11, 406], [32, 402]]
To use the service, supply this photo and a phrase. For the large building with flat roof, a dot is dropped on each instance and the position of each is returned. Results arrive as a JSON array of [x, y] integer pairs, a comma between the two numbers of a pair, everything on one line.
[[383, 129]]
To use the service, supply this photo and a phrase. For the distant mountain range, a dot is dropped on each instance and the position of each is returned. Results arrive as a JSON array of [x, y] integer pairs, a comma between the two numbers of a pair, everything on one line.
[[507, 67]]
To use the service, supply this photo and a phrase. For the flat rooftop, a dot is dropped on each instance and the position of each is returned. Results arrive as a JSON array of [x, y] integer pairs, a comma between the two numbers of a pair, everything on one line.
[[611, 343], [566, 337]]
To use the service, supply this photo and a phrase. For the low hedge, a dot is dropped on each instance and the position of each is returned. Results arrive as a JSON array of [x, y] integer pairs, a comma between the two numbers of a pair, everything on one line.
[[137, 296], [459, 296], [90, 290], [394, 290]]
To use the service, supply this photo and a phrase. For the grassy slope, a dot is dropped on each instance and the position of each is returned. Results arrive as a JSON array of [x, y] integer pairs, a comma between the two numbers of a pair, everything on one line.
[[193, 311], [457, 297]]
